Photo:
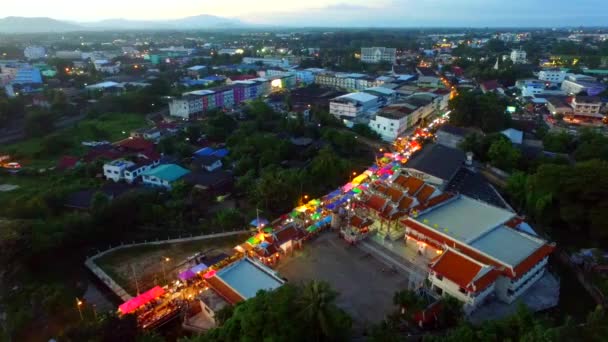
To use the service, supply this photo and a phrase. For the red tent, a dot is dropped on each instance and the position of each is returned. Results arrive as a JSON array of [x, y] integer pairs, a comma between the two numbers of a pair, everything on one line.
[[143, 299]]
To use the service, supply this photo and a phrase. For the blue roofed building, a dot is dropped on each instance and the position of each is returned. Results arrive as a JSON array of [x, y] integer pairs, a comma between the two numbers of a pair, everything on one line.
[[28, 76], [164, 175]]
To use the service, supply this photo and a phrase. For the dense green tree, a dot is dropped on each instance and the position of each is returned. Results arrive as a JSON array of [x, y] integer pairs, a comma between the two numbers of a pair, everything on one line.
[[503, 154], [485, 111], [285, 314], [558, 142]]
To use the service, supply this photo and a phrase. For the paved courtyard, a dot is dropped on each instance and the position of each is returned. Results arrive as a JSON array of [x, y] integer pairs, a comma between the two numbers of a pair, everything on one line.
[[366, 284]]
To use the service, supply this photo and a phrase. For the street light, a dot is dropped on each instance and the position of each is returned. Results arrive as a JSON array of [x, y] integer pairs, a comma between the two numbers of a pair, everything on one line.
[[78, 306], [165, 259]]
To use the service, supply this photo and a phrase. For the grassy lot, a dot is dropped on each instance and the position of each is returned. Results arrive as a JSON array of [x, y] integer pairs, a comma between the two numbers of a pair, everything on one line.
[[147, 261], [44, 151]]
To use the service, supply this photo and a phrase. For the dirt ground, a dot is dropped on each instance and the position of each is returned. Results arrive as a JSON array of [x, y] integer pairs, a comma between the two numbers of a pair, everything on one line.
[[150, 264]]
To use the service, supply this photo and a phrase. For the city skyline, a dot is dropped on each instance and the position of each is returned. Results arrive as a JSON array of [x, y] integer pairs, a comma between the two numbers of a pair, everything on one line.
[[330, 13]]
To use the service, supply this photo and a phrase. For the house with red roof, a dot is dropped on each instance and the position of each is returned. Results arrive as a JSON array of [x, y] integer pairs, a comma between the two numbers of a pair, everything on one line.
[[492, 86], [388, 202], [480, 251]]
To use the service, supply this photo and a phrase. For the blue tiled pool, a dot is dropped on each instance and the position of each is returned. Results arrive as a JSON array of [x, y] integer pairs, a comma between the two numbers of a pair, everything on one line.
[[248, 278]]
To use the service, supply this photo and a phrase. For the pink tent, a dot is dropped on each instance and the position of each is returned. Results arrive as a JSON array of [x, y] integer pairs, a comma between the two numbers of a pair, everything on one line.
[[143, 299]]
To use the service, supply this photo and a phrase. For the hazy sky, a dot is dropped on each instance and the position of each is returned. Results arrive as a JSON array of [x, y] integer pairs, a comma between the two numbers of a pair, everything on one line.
[[330, 12]]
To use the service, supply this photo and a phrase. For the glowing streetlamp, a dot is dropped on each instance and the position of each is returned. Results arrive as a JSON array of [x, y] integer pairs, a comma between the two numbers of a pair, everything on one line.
[[165, 260], [79, 307]]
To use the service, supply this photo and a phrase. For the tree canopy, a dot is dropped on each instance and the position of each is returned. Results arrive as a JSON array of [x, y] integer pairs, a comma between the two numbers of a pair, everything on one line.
[[289, 313], [484, 111]]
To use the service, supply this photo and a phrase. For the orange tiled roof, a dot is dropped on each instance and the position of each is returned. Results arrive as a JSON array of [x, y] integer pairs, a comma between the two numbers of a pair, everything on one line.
[[359, 222], [394, 194], [425, 193], [412, 184], [224, 290], [435, 201], [463, 271], [441, 239], [405, 203], [376, 202], [457, 268]]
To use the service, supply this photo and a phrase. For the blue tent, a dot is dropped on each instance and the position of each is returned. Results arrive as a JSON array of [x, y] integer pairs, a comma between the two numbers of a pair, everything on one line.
[[199, 268], [221, 153], [256, 223], [207, 151], [333, 194]]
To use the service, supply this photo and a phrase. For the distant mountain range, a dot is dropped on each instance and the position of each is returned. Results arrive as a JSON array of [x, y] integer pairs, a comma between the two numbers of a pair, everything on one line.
[[33, 25]]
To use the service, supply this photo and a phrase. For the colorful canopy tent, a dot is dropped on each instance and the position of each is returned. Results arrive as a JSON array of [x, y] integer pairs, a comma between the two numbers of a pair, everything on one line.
[[360, 178], [332, 194], [348, 187], [254, 241], [258, 222], [268, 230], [312, 229], [313, 203], [199, 268], [302, 208], [143, 299], [186, 275]]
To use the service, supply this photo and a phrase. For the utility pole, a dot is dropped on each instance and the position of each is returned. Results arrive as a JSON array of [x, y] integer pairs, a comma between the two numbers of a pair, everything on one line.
[[135, 278]]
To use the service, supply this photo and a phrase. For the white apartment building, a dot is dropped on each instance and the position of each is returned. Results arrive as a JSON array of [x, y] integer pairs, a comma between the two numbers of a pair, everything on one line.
[[587, 106], [378, 54], [518, 56], [352, 105], [115, 170], [186, 107], [391, 123], [347, 81], [552, 75], [34, 52], [576, 87]]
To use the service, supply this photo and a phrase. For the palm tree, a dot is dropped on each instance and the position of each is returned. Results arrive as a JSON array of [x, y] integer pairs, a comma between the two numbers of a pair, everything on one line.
[[319, 310]]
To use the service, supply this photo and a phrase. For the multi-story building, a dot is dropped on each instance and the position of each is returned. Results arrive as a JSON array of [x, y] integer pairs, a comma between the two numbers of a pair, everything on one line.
[[352, 105], [27, 75], [34, 52], [518, 56], [557, 106], [481, 255], [553, 75], [307, 76], [273, 62], [199, 101], [587, 106], [347, 81], [378, 54], [577, 87], [115, 170], [391, 121], [427, 78]]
